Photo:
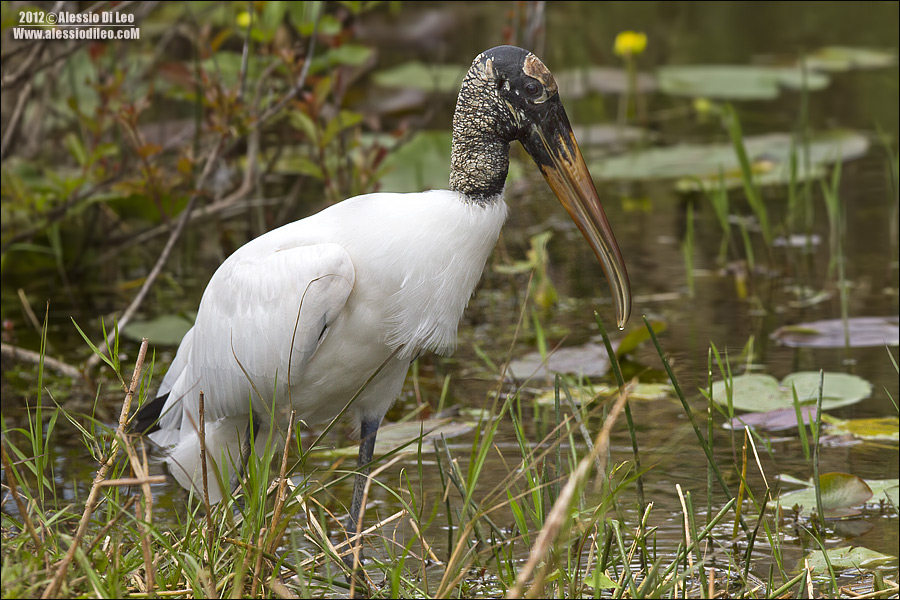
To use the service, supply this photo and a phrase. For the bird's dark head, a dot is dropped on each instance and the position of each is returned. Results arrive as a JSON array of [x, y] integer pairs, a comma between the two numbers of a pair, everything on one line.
[[525, 89], [509, 94]]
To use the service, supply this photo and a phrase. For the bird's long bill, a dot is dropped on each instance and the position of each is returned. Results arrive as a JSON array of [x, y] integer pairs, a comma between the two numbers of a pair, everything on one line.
[[552, 145]]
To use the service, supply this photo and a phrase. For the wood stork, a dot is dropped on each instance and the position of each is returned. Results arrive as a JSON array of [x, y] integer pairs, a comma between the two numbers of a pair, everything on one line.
[[300, 318]]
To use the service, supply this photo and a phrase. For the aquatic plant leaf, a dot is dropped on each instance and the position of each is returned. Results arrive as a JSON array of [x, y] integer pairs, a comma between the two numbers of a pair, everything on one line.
[[842, 495], [839, 389], [599, 135], [588, 360], [580, 395], [638, 336], [829, 333], [848, 557], [165, 330], [885, 428], [756, 392], [639, 391], [886, 490], [394, 435], [697, 166], [578, 83], [650, 391], [416, 74], [842, 490], [736, 82], [773, 420], [845, 58], [883, 490]]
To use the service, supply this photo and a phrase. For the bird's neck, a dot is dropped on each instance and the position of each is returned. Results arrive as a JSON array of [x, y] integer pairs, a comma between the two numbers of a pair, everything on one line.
[[479, 158]]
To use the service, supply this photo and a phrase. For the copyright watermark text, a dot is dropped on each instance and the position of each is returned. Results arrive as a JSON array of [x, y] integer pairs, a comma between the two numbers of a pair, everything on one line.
[[63, 25]]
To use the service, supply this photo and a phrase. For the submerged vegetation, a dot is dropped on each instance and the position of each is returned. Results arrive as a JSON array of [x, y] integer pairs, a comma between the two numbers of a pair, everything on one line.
[[638, 466]]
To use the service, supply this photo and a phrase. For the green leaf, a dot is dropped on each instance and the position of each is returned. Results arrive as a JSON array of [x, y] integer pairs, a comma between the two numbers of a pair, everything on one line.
[[602, 580], [226, 67], [165, 330], [352, 55], [757, 392], [345, 119], [848, 557], [839, 389], [736, 82], [580, 395], [842, 493], [638, 336], [886, 490], [844, 58], [422, 163], [297, 164], [76, 148], [415, 74], [700, 166], [300, 121]]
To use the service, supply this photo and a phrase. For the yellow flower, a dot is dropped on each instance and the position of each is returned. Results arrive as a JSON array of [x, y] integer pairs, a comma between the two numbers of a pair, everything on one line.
[[630, 43], [243, 19], [702, 106]]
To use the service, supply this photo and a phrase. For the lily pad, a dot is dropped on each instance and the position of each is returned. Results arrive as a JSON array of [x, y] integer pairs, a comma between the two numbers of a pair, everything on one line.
[[394, 435], [578, 83], [883, 490], [829, 333], [773, 420], [639, 391], [886, 490], [736, 82], [604, 135], [165, 330], [842, 495], [418, 75], [886, 428], [756, 392], [580, 395], [848, 557], [842, 491], [844, 58], [588, 360], [698, 166]]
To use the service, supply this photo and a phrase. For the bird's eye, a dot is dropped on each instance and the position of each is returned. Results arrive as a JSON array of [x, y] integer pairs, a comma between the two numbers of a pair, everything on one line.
[[532, 88]]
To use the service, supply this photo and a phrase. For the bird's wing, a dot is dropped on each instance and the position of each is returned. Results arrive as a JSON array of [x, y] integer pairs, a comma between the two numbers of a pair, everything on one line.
[[262, 316], [168, 419]]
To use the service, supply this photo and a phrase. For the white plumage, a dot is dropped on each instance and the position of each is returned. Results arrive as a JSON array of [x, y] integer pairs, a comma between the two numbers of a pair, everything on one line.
[[309, 311]]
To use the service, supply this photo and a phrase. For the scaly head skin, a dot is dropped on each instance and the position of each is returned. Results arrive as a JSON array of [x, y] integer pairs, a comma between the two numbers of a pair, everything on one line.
[[509, 94]]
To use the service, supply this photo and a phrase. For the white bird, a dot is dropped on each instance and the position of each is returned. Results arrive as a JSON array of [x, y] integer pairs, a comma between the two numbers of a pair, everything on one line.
[[300, 318]]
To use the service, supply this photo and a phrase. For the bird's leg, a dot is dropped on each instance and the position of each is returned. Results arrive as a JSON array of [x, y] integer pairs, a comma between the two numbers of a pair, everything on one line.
[[367, 432], [246, 446]]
